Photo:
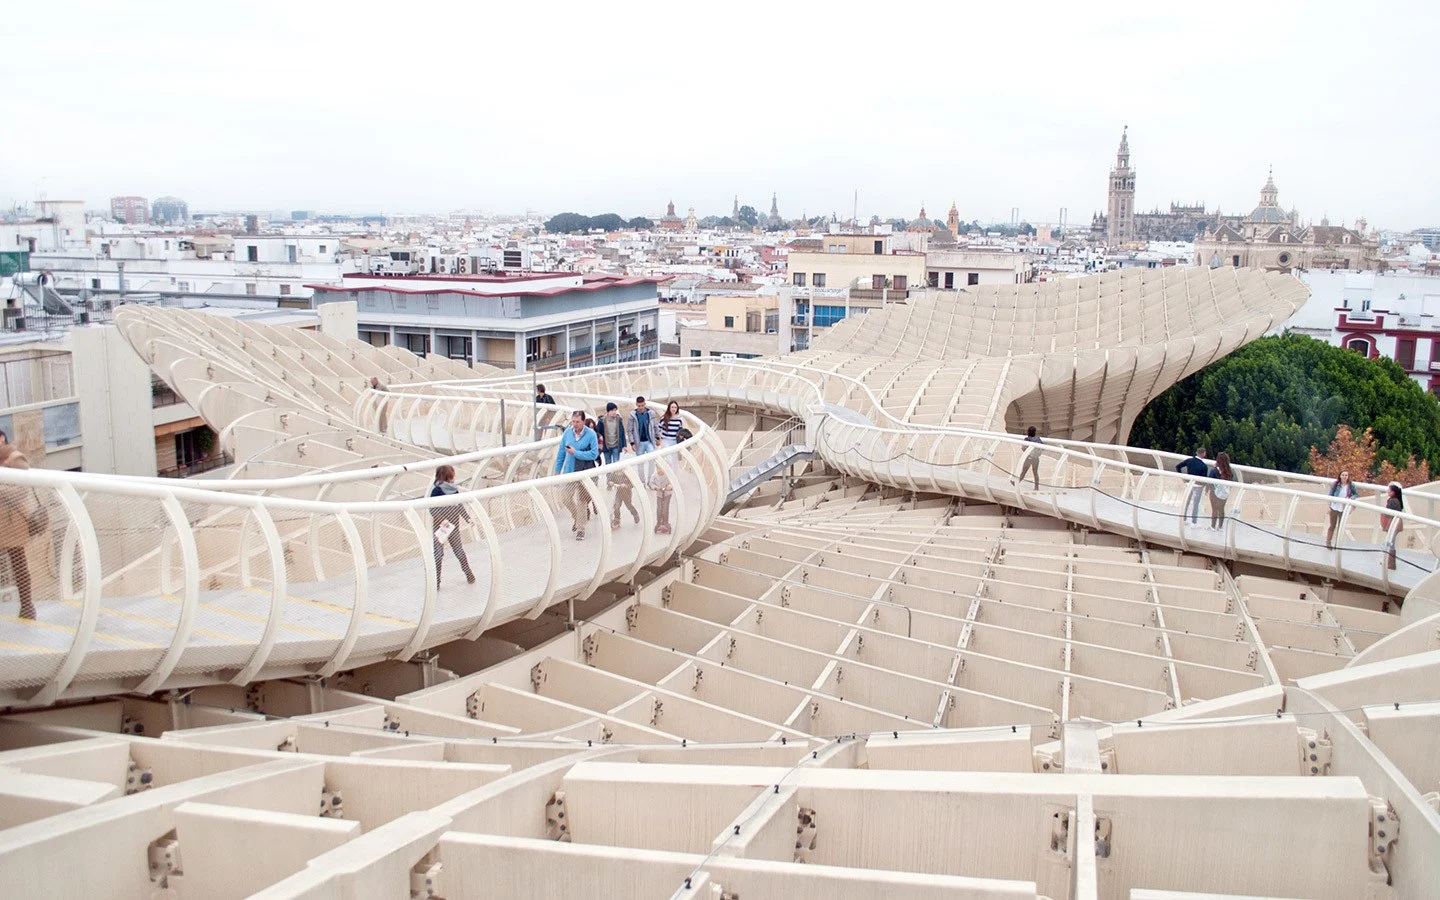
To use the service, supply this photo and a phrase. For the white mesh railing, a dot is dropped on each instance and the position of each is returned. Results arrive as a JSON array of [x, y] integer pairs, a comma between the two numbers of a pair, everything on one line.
[[144, 584], [1275, 518]]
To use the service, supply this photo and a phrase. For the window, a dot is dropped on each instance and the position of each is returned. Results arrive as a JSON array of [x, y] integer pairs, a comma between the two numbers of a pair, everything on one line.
[[1235, 260], [252, 253], [1405, 353], [729, 321], [1359, 345], [694, 353], [949, 281], [877, 282], [322, 248], [825, 316], [933, 279], [184, 287], [284, 290], [901, 281], [879, 247], [251, 288], [798, 278], [972, 278], [818, 279], [291, 252], [94, 284]]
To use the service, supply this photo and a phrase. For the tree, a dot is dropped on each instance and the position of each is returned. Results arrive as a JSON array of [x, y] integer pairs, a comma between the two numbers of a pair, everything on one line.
[[749, 217], [607, 222], [1269, 402], [567, 223], [640, 223], [1347, 453], [1026, 228]]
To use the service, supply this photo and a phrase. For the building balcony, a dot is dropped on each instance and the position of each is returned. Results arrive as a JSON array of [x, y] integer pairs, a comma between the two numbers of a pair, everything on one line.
[[208, 464]]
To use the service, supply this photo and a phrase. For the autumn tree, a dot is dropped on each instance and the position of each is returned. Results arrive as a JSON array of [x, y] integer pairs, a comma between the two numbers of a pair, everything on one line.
[[1356, 455]]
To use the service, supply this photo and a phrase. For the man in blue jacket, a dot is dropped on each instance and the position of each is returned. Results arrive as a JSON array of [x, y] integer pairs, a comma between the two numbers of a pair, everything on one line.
[[642, 431], [578, 451], [1194, 465]]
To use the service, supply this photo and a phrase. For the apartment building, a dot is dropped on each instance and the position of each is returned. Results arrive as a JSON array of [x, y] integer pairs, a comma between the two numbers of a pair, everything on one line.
[[745, 326], [520, 320]]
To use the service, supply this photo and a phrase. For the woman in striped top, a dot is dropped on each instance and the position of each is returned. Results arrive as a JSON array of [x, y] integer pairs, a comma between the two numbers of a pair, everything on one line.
[[670, 424]]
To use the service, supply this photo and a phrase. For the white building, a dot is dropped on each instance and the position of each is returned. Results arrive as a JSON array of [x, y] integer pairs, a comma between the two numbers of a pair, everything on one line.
[[1380, 315]]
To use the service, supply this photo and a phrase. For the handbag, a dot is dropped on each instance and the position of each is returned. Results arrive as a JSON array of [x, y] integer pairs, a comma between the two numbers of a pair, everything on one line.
[[1221, 491], [39, 520], [582, 464]]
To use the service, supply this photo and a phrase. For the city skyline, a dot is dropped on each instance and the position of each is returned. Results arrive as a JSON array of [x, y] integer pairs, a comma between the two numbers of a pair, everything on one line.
[[256, 117]]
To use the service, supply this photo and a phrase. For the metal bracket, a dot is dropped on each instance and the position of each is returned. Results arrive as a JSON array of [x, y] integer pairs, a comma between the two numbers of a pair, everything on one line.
[[425, 878], [1047, 760], [657, 706], [556, 826], [805, 834], [473, 706], [390, 723], [1060, 831], [255, 698], [537, 676], [164, 856], [699, 676], [632, 613], [730, 653], [1314, 752], [1384, 832], [131, 725], [667, 594], [1102, 837], [288, 745], [588, 648], [138, 779], [332, 805]]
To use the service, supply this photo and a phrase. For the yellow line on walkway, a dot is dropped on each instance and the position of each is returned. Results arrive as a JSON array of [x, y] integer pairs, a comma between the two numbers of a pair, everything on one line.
[[29, 648], [66, 629], [343, 610], [151, 620]]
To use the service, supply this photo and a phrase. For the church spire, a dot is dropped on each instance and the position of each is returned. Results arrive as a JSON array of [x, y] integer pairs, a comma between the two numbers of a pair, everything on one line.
[[1122, 156]]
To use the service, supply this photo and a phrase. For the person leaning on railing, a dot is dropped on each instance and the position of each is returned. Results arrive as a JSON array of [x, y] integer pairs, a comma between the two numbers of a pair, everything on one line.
[[22, 518], [1342, 489], [665, 490], [1395, 502]]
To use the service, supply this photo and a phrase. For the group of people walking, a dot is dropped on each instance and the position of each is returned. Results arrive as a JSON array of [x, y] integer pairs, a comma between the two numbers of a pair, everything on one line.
[[586, 443]]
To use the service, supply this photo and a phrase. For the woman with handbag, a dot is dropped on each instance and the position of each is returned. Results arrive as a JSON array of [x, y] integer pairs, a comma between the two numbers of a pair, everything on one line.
[[22, 518], [446, 520], [1219, 492], [1395, 502], [578, 451]]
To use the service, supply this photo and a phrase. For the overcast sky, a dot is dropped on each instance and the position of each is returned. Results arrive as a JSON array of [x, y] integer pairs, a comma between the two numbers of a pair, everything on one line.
[[616, 106]]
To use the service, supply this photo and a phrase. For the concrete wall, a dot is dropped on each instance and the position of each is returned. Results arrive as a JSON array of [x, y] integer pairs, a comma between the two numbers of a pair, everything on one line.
[[113, 384]]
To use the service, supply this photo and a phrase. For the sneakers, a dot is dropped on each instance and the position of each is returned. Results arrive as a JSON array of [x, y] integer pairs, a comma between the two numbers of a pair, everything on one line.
[[614, 524], [662, 529], [579, 534]]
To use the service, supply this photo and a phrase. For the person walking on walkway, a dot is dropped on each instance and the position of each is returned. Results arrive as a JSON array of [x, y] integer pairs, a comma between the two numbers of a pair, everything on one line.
[[22, 518], [1395, 502], [1193, 465], [624, 496], [1342, 489], [1032, 458], [612, 434], [670, 425], [375, 385], [1220, 491], [642, 430], [578, 451], [446, 520], [664, 490]]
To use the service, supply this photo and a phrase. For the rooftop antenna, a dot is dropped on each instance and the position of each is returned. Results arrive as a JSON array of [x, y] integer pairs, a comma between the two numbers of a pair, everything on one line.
[[855, 210]]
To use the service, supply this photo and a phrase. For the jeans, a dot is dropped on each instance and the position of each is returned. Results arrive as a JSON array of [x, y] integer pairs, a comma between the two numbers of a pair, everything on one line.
[[612, 456], [641, 448], [1192, 503]]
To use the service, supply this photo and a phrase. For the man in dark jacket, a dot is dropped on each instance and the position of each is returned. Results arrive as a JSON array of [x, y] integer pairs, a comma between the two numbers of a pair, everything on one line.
[[1194, 465]]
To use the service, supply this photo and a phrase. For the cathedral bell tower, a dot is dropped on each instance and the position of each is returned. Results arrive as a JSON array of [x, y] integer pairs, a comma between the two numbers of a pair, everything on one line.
[[1120, 217]]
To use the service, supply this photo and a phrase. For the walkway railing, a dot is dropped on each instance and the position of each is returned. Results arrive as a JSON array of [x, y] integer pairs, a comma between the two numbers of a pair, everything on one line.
[[144, 584], [1272, 518]]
